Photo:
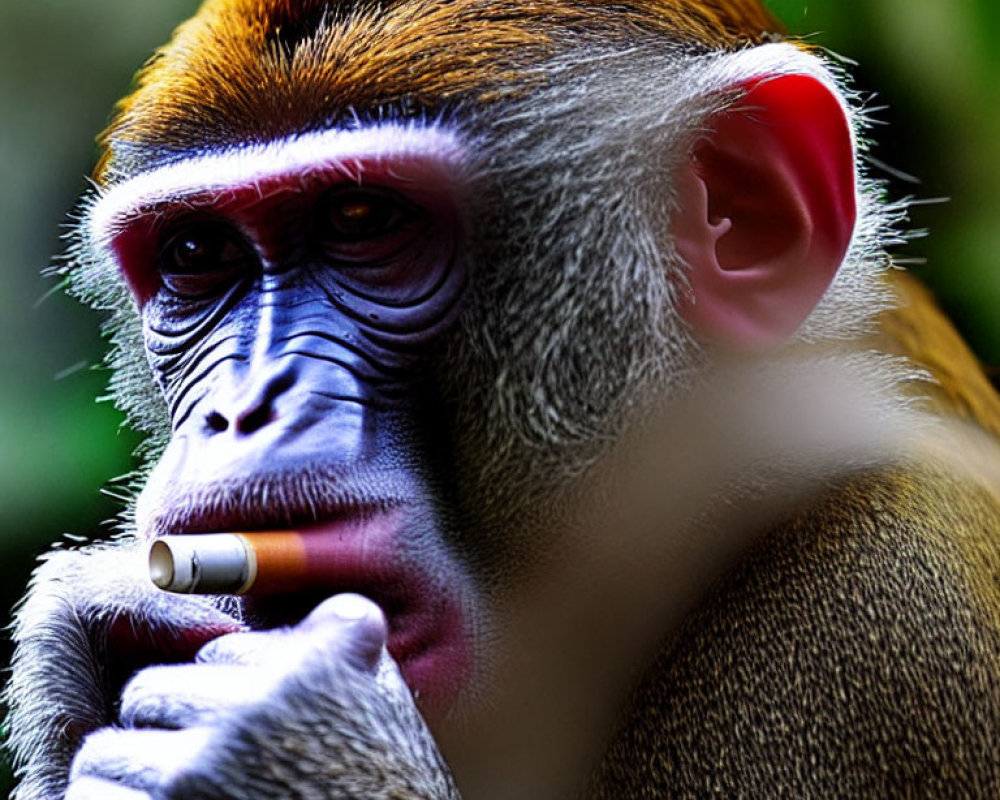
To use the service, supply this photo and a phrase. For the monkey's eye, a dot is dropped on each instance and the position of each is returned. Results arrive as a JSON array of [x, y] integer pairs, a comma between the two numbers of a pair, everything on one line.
[[354, 215], [198, 256], [201, 247]]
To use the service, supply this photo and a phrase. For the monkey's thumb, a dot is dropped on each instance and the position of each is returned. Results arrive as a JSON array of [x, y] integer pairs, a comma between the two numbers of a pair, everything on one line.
[[357, 625]]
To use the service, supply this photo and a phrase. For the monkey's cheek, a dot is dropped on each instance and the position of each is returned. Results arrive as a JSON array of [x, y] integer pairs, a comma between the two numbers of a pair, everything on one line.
[[142, 761]]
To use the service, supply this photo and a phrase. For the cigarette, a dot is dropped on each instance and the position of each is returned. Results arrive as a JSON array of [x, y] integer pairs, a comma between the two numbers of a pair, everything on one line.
[[228, 563]]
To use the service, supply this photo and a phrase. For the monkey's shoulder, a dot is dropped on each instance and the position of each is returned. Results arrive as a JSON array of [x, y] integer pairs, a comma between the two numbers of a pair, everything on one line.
[[854, 653], [915, 327]]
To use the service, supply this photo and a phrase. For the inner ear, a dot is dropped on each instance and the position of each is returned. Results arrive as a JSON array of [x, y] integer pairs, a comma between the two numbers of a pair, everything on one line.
[[766, 212]]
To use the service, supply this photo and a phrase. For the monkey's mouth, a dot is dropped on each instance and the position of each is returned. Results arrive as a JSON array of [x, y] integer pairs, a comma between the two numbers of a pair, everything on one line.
[[365, 554]]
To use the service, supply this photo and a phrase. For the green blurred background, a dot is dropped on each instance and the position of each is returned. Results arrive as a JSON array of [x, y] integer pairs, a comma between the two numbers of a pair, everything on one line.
[[63, 63]]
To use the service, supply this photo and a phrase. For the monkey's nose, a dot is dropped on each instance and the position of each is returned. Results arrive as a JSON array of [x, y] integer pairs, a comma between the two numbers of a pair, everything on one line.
[[255, 409]]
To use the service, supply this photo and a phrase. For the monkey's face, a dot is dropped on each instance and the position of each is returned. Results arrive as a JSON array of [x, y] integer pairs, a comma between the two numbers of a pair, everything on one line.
[[293, 299]]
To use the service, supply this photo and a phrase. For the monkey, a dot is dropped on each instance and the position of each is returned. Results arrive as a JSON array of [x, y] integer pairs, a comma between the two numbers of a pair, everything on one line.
[[570, 327]]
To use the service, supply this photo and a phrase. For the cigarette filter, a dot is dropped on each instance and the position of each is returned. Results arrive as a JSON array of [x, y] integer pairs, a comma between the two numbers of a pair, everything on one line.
[[228, 563]]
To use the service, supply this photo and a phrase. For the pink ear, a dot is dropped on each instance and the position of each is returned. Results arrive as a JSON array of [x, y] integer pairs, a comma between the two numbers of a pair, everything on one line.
[[767, 212]]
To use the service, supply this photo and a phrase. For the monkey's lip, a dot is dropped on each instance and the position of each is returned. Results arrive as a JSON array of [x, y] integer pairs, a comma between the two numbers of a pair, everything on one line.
[[364, 554]]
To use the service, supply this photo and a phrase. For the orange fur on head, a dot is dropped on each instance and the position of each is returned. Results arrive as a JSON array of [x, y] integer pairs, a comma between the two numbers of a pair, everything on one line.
[[254, 70]]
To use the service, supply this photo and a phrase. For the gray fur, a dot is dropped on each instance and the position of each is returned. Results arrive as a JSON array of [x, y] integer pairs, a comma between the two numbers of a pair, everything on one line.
[[572, 223]]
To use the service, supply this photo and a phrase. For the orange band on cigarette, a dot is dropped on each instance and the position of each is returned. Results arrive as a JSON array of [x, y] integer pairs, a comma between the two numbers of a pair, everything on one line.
[[281, 559]]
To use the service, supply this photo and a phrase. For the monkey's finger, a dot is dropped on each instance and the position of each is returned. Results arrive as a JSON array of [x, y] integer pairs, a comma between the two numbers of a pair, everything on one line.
[[241, 669], [245, 648], [186, 695], [347, 624], [97, 789], [143, 761]]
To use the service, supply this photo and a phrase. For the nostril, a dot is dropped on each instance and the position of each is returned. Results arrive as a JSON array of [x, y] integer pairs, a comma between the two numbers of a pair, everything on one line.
[[216, 422], [255, 420], [246, 407], [259, 410]]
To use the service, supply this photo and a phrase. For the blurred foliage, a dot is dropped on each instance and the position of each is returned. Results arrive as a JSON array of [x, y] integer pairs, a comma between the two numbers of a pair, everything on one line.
[[63, 63]]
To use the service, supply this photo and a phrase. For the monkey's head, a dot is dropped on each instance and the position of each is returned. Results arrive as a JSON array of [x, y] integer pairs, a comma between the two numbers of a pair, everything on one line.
[[398, 273]]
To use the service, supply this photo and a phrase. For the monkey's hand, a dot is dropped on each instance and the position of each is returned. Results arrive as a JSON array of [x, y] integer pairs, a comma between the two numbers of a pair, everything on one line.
[[90, 619], [315, 711]]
